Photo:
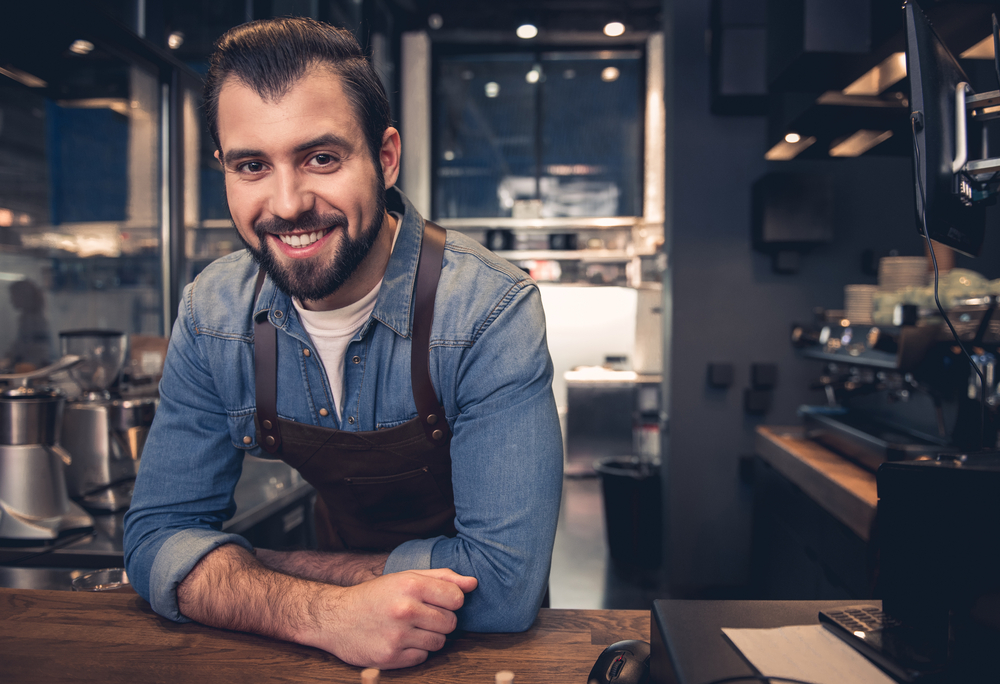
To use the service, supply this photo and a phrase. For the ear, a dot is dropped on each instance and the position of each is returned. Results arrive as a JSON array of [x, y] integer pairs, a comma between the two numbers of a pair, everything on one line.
[[218, 157], [389, 156]]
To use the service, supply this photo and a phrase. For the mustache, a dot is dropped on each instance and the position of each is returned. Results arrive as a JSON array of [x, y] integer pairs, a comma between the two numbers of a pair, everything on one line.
[[306, 222]]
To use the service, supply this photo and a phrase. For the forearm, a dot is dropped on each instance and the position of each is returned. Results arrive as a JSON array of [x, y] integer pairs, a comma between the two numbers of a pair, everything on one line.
[[343, 569], [228, 588]]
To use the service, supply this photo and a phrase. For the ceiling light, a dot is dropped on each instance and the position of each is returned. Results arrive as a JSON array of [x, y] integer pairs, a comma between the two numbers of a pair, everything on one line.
[[785, 151], [858, 143], [527, 31], [23, 77], [981, 50], [175, 40], [449, 155], [610, 74], [435, 21], [569, 74], [890, 71], [614, 28], [792, 138], [492, 89], [81, 47], [533, 76]]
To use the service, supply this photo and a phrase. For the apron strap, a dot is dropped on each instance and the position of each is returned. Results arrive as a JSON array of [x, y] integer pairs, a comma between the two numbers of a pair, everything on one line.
[[265, 352], [429, 410]]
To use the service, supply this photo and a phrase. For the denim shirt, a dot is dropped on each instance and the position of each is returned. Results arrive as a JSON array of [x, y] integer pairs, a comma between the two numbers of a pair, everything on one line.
[[491, 368]]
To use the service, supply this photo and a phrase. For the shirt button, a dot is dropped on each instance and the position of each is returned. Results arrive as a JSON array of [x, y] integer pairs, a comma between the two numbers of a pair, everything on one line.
[[350, 419], [324, 413], [306, 352], [356, 359], [247, 440], [278, 314]]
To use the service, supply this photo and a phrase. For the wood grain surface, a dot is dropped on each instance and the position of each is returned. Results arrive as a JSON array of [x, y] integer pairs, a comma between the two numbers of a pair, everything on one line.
[[847, 491], [57, 636]]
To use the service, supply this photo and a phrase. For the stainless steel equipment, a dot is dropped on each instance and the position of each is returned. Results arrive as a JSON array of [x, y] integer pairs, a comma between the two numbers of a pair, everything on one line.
[[104, 434], [34, 504]]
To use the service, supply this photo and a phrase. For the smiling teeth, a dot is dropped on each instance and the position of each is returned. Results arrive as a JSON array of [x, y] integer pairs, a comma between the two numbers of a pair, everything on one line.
[[302, 239]]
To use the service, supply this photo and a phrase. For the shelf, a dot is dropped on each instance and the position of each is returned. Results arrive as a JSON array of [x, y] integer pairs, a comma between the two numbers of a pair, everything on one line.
[[562, 222], [596, 255]]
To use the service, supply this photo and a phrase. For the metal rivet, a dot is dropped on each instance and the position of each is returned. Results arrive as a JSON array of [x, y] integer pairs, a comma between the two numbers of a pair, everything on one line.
[[356, 359], [437, 434], [270, 440], [431, 419], [247, 440], [306, 352], [278, 314], [350, 419], [324, 413], [267, 424]]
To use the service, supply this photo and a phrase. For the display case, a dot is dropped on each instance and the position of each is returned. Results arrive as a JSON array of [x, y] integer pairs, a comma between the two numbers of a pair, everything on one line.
[[90, 139]]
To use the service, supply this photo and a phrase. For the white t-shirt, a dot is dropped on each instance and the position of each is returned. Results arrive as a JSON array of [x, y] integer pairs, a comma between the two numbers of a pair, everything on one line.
[[331, 333]]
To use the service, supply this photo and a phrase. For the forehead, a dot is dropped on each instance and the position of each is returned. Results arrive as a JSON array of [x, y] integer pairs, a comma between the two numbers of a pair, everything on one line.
[[315, 104]]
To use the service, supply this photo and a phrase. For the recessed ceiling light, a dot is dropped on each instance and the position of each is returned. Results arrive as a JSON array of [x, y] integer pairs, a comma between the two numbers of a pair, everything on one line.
[[614, 28], [435, 21], [610, 74], [81, 47], [533, 76], [175, 40], [527, 31], [792, 138], [492, 89]]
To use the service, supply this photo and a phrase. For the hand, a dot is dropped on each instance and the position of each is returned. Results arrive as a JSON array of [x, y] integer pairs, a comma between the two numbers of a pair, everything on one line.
[[389, 622]]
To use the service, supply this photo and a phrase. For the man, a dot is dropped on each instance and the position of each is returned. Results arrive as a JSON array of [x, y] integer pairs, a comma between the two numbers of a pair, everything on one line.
[[405, 374]]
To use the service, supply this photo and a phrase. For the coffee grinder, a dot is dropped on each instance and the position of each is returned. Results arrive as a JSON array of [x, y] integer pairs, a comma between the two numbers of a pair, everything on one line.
[[103, 432], [34, 505]]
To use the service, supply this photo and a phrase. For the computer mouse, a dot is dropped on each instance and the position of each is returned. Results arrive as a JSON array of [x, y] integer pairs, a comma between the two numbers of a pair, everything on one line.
[[623, 662]]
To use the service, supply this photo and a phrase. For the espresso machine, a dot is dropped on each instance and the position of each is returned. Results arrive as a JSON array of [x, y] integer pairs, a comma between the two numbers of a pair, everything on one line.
[[103, 431], [34, 504]]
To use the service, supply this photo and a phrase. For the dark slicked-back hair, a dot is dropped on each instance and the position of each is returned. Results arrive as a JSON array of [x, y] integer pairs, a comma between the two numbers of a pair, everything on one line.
[[270, 56]]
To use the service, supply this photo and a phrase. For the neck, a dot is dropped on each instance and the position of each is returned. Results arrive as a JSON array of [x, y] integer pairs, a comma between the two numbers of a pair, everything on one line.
[[367, 276]]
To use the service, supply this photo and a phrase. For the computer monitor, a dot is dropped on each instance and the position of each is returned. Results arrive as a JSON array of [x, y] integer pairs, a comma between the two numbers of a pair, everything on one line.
[[947, 214]]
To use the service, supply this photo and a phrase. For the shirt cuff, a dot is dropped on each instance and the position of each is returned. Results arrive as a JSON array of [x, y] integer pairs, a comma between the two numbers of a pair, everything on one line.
[[411, 555], [176, 558]]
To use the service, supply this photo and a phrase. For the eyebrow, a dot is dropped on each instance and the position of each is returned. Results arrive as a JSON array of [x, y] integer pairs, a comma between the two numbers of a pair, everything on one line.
[[326, 140]]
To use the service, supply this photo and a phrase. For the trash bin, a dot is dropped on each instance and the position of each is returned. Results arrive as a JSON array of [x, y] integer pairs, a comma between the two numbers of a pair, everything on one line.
[[632, 510]]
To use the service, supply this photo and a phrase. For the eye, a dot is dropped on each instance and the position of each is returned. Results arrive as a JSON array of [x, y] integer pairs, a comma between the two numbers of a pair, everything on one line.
[[324, 160], [250, 167]]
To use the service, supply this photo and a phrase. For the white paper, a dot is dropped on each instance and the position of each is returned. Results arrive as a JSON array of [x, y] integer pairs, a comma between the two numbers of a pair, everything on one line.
[[807, 652]]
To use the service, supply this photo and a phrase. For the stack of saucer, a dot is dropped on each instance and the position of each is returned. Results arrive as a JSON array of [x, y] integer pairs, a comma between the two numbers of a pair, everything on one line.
[[899, 273], [858, 303]]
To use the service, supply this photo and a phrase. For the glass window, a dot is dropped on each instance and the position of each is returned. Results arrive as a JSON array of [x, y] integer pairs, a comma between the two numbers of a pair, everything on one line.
[[539, 134], [79, 197]]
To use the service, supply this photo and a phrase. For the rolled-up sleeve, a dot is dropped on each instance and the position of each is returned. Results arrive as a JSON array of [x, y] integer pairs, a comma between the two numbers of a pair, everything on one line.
[[506, 454], [184, 490]]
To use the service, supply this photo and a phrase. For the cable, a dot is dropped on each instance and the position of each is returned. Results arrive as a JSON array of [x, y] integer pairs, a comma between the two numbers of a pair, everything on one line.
[[758, 678], [930, 246]]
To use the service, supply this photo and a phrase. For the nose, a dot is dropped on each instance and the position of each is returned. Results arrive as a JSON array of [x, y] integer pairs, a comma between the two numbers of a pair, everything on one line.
[[292, 196]]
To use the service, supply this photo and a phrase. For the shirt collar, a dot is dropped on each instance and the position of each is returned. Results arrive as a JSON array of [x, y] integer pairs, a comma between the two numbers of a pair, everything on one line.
[[395, 298]]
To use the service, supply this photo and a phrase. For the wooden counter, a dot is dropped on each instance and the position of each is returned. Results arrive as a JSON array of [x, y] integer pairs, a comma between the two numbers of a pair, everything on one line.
[[842, 488], [58, 636]]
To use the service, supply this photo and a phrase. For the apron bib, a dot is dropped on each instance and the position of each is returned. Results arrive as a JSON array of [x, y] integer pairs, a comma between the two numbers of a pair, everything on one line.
[[378, 489]]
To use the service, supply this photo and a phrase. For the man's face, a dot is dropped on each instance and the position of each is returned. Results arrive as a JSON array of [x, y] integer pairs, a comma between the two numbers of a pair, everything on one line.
[[302, 188]]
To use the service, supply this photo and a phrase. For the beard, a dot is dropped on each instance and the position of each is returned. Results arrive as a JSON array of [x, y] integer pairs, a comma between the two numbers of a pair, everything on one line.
[[315, 279]]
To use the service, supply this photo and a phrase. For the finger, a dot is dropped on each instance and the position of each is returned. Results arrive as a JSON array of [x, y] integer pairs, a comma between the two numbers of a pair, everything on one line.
[[434, 619], [464, 582], [443, 594]]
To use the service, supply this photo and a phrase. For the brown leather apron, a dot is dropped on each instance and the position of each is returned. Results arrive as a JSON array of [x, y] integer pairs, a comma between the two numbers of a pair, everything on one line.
[[375, 490]]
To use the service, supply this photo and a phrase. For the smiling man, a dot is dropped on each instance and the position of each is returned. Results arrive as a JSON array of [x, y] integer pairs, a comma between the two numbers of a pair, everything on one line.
[[401, 369]]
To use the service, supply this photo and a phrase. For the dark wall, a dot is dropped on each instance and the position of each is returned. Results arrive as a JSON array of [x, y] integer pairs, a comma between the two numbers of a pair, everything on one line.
[[729, 306]]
